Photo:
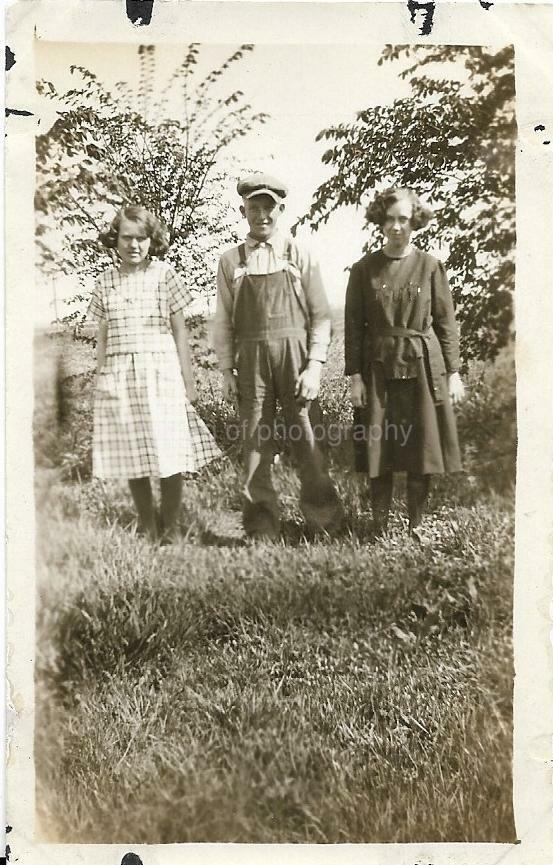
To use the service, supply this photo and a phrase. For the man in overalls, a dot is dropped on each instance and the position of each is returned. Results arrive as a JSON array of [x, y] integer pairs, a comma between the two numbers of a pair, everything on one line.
[[271, 334]]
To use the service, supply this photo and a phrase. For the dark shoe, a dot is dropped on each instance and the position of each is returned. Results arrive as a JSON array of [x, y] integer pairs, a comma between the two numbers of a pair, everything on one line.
[[260, 522], [417, 536], [166, 536], [169, 537], [380, 528], [323, 517], [143, 532]]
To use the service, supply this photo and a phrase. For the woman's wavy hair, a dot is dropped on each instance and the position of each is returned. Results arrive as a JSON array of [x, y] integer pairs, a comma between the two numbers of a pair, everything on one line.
[[377, 209], [153, 227]]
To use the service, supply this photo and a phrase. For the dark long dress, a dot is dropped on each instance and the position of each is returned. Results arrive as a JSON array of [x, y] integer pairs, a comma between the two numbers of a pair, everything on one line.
[[401, 336]]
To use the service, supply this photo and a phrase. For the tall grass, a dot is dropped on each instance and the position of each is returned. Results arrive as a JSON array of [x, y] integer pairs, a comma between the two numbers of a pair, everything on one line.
[[330, 690]]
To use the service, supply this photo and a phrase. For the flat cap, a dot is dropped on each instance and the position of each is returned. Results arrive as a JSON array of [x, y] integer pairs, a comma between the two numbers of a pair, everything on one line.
[[262, 184]]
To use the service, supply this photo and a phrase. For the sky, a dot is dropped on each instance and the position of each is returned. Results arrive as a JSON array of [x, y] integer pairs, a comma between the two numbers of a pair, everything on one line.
[[304, 88]]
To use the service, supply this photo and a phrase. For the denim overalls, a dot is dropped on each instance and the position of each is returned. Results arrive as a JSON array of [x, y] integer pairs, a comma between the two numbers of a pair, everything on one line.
[[270, 329]]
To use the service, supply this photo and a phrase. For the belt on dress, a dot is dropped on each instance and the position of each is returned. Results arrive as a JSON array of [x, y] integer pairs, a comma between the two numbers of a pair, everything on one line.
[[434, 366]]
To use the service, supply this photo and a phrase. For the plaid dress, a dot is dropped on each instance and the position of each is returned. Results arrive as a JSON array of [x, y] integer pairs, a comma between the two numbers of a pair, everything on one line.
[[144, 425]]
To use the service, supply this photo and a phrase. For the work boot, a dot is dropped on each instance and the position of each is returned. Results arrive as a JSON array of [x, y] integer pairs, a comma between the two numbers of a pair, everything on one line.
[[259, 521], [321, 508]]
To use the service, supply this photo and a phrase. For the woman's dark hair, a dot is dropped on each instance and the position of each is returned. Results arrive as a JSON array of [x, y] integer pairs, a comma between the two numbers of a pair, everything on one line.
[[152, 225], [377, 209]]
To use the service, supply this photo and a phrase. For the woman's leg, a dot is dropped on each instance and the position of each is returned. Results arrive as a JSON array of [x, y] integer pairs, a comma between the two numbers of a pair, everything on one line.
[[418, 487], [381, 499], [171, 498], [141, 491]]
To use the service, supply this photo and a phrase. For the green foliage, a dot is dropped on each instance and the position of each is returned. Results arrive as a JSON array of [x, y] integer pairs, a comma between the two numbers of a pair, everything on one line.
[[452, 140], [111, 148]]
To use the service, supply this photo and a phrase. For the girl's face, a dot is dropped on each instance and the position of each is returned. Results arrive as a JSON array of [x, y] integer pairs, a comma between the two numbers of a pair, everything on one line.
[[133, 244], [397, 227]]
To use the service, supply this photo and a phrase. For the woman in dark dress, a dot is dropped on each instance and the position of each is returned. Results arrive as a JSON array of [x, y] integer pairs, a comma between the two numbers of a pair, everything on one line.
[[402, 359]]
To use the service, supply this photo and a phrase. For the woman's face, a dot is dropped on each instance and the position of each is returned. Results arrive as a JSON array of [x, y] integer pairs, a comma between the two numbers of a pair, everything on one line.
[[133, 244], [397, 227]]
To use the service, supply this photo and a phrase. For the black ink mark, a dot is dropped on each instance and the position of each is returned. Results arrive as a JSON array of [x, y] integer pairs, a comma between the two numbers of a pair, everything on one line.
[[139, 12], [8, 830], [485, 5], [10, 58], [428, 8], [18, 112], [8, 851], [541, 128], [131, 859]]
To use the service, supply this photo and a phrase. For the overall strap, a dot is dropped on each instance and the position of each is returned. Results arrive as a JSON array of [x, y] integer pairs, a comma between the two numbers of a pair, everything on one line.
[[242, 254], [295, 277]]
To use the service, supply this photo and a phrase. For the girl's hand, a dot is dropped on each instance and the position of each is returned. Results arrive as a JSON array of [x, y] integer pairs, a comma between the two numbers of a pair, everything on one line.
[[357, 391], [190, 388], [192, 393], [97, 374], [456, 388], [230, 385]]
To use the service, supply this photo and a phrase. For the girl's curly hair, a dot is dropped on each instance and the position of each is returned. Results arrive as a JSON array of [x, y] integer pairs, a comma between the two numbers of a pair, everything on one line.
[[153, 227], [377, 209]]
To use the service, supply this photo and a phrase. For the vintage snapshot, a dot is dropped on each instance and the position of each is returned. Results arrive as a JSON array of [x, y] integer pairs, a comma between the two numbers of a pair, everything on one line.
[[284, 413]]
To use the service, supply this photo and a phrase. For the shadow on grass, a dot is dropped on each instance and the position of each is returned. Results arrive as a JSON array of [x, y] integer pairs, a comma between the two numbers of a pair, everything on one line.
[[208, 538]]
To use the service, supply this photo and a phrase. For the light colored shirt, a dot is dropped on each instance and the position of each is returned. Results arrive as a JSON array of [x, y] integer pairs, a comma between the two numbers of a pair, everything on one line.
[[270, 257], [138, 307]]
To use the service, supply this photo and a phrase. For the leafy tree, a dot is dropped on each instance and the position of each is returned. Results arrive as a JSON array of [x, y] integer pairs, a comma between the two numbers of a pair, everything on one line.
[[453, 140], [110, 148]]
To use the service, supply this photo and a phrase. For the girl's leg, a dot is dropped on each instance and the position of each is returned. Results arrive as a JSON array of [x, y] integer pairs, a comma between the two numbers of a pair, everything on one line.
[[171, 498], [381, 499], [418, 487], [141, 491]]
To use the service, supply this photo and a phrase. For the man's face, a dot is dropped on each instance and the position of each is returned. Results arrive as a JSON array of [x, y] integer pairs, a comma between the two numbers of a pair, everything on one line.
[[262, 213]]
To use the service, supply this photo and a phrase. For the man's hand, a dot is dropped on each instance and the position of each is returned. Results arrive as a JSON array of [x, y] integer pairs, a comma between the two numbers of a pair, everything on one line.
[[456, 388], [308, 382], [357, 391], [230, 385]]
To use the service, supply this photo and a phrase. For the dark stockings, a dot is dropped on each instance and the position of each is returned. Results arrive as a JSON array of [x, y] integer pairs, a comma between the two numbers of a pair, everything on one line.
[[141, 491], [171, 497], [418, 487], [381, 499]]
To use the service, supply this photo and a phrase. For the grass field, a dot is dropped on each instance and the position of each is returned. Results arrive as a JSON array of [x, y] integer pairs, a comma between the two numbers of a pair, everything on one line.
[[332, 690]]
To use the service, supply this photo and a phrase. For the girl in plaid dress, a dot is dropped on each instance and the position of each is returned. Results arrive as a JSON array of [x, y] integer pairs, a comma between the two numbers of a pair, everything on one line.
[[144, 423]]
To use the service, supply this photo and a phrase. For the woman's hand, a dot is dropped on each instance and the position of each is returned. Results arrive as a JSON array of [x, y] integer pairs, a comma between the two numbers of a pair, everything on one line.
[[309, 382], [357, 391], [230, 385], [455, 388]]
